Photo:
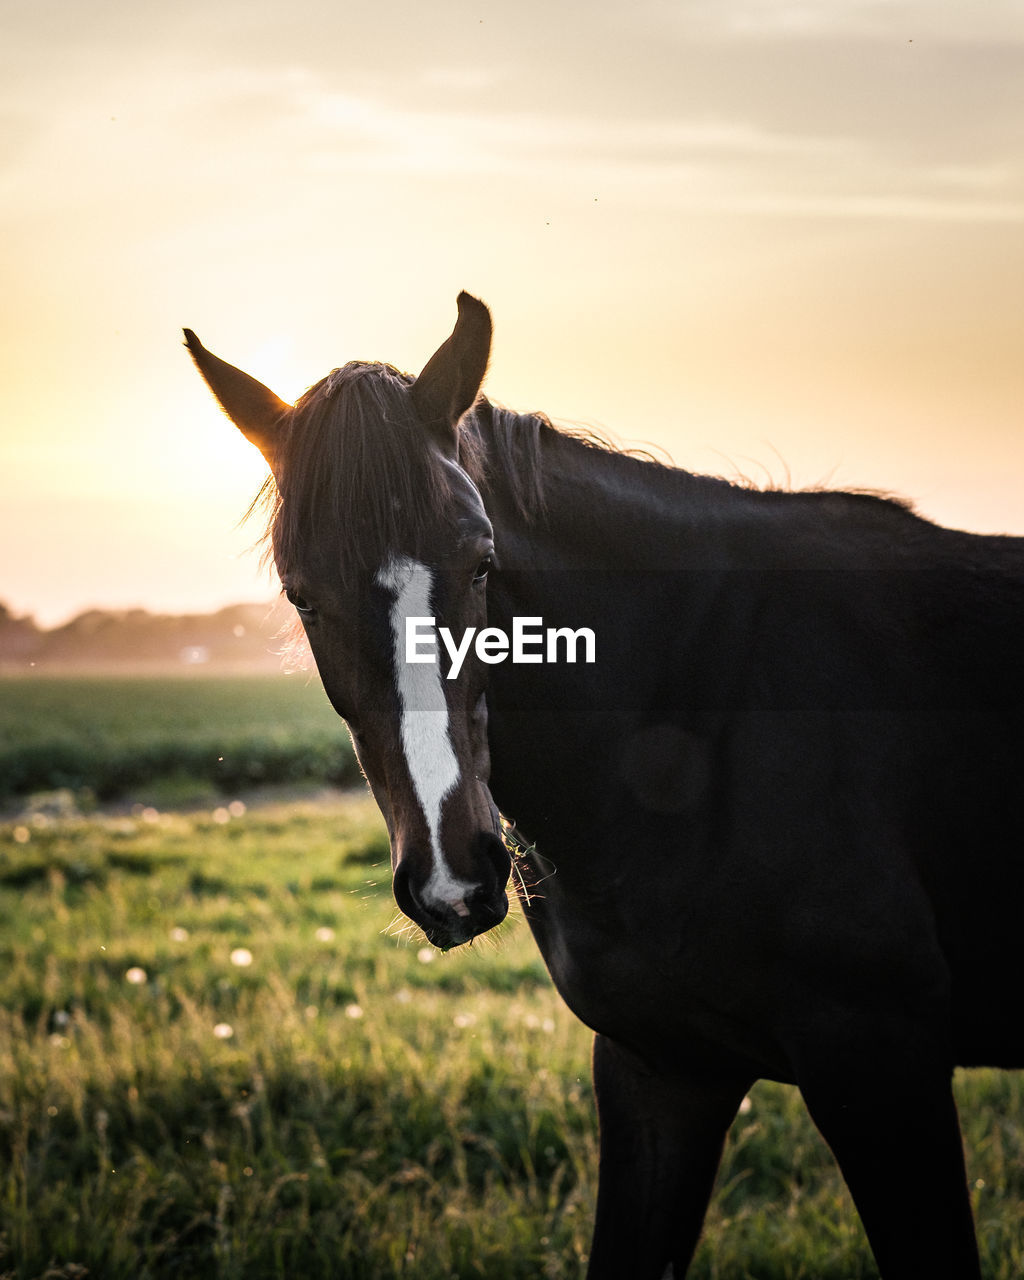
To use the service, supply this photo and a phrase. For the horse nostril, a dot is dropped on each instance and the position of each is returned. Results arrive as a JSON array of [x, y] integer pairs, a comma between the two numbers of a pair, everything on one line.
[[492, 910], [401, 887]]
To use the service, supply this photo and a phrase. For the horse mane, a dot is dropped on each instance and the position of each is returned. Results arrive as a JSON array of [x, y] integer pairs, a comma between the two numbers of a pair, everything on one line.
[[514, 452], [519, 451], [353, 455]]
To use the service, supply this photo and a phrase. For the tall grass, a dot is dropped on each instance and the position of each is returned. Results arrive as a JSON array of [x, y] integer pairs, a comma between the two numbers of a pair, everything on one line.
[[344, 1104], [215, 1060], [222, 1055]]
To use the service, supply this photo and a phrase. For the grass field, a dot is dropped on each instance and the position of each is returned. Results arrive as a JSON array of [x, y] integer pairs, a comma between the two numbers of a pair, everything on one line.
[[221, 1057], [167, 737]]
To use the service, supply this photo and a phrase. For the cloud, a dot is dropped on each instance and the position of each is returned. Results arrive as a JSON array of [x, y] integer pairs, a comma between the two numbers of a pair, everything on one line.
[[768, 107], [695, 164], [208, 138]]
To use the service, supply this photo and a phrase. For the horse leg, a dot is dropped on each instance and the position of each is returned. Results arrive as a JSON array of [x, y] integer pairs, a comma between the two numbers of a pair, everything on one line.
[[661, 1141], [896, 1136]]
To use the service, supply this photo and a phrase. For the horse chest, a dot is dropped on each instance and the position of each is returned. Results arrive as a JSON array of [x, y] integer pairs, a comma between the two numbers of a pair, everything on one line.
[[588, 969], [664, 991]]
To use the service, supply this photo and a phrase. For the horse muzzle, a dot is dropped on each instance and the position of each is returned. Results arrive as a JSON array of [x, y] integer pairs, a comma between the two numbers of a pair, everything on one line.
[[450, 915]]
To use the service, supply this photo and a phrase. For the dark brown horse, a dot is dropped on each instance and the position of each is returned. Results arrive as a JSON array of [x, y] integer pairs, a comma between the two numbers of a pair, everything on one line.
[[777, 822]]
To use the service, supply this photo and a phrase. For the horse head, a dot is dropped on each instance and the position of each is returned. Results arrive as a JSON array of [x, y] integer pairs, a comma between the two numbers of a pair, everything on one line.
[[377, 527]]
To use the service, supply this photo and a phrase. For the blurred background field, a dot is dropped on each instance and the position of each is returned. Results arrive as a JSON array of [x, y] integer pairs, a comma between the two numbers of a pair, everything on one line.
[[224, 1054], [166, 737]]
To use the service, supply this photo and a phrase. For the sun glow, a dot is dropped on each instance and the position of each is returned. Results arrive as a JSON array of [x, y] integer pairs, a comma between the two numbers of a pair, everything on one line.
[[775, 230]]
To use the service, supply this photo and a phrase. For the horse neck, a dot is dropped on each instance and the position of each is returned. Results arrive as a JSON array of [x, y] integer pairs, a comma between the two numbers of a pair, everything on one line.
[[586, 554]]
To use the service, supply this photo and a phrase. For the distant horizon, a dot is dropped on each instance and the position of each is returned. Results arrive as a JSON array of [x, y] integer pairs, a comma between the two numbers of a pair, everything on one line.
[[245, 636], [63, 620]]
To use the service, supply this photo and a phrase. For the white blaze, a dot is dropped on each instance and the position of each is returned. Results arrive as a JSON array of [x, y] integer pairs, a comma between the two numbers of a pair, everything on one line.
[[425, 740]]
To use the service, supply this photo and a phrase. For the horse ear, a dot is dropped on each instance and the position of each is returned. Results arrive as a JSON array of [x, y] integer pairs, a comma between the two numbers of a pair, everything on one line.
[[451, 378], [252, 407]]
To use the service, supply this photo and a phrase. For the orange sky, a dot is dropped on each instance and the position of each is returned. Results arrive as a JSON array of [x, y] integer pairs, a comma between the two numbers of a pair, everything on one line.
[[773, 238]]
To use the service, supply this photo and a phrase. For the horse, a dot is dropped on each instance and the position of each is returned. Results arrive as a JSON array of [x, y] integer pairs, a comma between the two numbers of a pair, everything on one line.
[[766, 785]]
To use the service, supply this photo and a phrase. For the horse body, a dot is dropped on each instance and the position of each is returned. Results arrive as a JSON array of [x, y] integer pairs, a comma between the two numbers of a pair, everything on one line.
[[775, 829], [784, 843], [832, 722]]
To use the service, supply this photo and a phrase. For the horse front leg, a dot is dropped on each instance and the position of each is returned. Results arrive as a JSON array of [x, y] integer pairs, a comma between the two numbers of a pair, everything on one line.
[[661, 1142]]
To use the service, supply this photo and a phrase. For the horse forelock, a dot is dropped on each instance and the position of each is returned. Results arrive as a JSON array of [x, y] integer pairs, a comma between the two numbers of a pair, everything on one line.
[[358, 476]]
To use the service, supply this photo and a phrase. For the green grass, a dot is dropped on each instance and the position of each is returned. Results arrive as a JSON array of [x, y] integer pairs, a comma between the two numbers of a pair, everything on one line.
[[373, 1112], [114, 736], [378, 1109]]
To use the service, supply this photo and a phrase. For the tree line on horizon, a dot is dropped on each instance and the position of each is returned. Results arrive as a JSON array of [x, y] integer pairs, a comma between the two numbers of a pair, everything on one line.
[[242, 635]]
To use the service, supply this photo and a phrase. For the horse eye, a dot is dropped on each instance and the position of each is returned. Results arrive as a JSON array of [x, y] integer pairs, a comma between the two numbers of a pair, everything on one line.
[[481, 571], [299, 602]]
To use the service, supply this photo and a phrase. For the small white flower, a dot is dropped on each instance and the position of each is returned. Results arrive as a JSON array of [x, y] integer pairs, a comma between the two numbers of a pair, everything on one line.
[[220, 816], [426, 955], [353, 1011], [325, 933], [178, 934], [236, 808], [223, 1031], [136, 976], [242, 957]]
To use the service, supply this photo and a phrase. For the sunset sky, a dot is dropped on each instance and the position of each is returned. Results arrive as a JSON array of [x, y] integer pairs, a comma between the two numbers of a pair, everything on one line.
[[778, 239]]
